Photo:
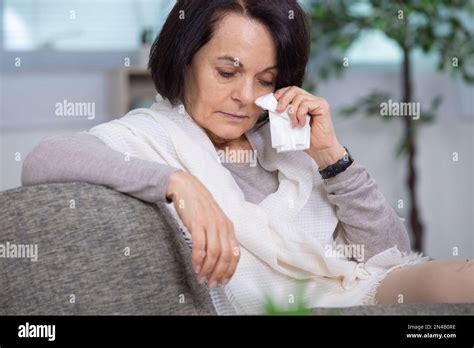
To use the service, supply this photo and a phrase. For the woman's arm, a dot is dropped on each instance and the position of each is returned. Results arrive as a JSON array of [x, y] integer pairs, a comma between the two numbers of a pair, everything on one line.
[[365, 216], [85, 158]]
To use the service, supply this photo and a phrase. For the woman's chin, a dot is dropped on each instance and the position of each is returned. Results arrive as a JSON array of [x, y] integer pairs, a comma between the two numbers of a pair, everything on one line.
[[230, 132]]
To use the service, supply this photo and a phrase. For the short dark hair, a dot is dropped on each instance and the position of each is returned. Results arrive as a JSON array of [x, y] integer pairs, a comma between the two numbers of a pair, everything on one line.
[[180, 38]]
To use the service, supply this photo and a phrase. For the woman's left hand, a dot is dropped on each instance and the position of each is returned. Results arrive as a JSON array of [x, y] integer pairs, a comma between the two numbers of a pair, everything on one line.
[[325, 149]]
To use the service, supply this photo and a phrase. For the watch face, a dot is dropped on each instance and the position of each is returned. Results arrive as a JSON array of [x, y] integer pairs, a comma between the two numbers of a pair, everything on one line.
[[347, 156]]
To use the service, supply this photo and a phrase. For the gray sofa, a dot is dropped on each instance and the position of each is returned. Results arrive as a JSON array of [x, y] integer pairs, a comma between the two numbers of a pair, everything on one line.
[[103, 252]]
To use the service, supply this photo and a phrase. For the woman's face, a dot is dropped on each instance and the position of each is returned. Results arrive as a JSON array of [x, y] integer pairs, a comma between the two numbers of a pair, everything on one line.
[[234, 68]]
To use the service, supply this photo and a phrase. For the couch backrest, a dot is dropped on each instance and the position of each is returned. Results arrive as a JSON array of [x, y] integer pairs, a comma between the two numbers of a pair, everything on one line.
[[98, 252]]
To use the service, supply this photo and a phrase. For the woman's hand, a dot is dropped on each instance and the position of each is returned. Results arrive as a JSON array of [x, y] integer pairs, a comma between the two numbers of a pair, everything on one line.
[[324, 146], [215, 251]]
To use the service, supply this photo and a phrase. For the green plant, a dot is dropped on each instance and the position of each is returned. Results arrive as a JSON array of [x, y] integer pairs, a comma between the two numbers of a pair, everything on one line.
[[146, 36], [442, 28], [294, 303]]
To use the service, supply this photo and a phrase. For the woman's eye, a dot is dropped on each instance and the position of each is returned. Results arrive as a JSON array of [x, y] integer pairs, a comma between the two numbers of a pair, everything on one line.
[[266, 83], [227, 75]]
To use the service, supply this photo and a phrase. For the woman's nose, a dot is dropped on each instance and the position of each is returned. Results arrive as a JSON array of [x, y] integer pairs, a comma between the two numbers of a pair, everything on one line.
[[244, 92]]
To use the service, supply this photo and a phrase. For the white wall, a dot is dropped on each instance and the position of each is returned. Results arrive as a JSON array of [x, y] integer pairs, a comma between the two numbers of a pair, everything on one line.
[[445, 188], [29, 97], [22, 141]]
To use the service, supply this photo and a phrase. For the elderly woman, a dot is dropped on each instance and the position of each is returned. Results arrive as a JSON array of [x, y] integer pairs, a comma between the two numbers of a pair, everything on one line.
[[264, 229]]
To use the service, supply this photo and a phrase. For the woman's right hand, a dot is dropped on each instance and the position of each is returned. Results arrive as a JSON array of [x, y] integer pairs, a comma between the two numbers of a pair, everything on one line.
[[215, 249]]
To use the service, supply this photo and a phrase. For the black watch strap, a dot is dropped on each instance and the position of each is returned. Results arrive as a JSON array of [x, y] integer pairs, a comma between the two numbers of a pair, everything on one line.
[[337, 167]]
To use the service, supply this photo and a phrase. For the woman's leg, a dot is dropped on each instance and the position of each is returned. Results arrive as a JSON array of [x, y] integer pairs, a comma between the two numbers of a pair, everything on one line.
[[438, 281]]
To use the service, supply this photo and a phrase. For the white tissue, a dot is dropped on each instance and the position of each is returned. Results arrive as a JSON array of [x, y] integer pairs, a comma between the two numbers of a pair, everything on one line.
[[284, 137]]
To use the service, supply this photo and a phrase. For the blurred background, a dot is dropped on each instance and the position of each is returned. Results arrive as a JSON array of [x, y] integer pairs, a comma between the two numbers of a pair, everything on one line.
[[365, 54]]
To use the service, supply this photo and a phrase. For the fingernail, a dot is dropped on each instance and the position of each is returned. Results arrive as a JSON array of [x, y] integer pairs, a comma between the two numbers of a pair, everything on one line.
[[202, 280], [212, 284], [197, 269], [225, 281]]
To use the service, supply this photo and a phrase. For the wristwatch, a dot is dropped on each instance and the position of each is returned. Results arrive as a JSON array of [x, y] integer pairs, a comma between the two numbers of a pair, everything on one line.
[[337, 167]]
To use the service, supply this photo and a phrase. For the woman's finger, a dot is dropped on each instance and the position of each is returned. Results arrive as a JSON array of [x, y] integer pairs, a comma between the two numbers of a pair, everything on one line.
[[306, 107], [287, 96], [280, 91], [295, 109], [198, 248], [212, 253], [235, 257], [301, 114], [225, 257]]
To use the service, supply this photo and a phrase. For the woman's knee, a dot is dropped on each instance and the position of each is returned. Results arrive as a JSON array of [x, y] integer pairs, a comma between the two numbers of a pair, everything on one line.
[[438, 281], [445, 281]]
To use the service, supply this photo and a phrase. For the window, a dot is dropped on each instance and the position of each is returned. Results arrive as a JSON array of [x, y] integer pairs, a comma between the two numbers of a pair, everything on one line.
[[80, 25]]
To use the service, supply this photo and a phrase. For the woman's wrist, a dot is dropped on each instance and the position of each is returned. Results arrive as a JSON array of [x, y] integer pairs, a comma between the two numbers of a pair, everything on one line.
[[173, 183], [329, 156]]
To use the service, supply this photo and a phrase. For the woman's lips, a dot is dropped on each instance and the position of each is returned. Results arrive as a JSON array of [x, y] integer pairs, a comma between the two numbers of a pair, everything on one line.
[[234, 117]]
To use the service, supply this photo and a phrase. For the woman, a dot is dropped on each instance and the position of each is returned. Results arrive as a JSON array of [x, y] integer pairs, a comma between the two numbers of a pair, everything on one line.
[[210, 63]]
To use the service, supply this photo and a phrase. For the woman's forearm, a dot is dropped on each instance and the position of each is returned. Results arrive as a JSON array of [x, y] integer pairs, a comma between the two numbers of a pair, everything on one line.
[[365, 216], [85, 158]]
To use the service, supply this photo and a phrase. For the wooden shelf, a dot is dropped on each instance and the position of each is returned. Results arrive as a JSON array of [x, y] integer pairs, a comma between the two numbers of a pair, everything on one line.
[[130, 88]]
